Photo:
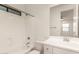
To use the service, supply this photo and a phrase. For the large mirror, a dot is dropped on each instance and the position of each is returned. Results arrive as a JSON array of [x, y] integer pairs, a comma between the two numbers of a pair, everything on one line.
[[64, 20], [67, 23]]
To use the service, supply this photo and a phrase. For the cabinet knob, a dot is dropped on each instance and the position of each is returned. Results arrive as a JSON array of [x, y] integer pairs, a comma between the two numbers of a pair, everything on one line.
[[46, 48]]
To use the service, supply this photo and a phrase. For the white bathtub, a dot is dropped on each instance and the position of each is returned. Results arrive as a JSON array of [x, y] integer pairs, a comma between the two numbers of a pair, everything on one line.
[[29, 50]]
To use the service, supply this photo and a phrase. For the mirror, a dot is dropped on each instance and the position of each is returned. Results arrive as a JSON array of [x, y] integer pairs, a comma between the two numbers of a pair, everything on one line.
[[67, 23], [64, 20]]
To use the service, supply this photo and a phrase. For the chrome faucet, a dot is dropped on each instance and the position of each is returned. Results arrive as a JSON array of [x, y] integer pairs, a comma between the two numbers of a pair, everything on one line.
[[66, 39]]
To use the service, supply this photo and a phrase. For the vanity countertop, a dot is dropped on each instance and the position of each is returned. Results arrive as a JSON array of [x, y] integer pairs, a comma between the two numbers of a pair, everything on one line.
[[57, 41]]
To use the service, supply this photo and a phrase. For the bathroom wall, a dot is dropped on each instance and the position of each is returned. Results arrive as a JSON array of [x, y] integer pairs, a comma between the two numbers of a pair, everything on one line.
[[14, 29], [40, 21], [12, 32], [55, 18]]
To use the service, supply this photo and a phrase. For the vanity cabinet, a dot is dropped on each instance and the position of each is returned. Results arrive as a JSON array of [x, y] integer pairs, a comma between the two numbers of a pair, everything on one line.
[[48, 49], [62, 51], [56, 50]]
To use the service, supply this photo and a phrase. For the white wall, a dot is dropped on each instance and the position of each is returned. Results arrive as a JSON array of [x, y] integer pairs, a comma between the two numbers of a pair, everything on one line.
[[41, 19], [14, 29], [12, 32], [55, 17]]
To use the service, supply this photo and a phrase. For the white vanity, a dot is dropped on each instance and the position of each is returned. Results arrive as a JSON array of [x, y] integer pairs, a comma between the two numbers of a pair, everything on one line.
[[60, 45], [64, 21]]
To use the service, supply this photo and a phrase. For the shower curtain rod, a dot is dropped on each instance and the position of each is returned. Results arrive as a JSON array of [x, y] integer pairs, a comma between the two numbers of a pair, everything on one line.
[[18, 10], [27, 14]]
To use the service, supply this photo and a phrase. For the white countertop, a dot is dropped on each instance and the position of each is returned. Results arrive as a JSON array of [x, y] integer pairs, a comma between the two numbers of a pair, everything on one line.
[[57, 41]]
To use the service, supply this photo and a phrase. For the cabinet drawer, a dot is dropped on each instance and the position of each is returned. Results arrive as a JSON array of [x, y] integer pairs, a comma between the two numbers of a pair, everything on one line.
[[62, 51], [47, 49]]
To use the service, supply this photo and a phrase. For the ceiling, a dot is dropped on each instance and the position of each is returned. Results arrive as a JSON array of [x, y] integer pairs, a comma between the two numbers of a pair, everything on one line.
[[24, 6]]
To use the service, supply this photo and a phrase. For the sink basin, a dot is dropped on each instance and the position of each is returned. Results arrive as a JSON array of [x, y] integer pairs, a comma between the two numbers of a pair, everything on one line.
[[72, 44]]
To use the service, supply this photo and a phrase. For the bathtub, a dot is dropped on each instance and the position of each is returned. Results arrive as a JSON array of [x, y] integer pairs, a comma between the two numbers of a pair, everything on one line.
[[29, 50]]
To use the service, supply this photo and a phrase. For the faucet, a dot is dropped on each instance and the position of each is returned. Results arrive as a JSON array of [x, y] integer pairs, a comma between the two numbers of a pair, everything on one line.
[[66, 39]]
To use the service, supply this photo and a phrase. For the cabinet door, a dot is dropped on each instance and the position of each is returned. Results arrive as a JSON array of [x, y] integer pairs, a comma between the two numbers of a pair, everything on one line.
[[62, 51], [47, 49]]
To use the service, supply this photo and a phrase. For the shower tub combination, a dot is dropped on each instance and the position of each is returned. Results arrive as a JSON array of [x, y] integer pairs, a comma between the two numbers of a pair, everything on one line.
[[29, 49]]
